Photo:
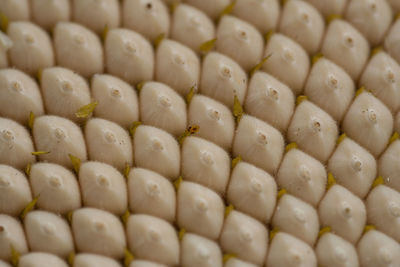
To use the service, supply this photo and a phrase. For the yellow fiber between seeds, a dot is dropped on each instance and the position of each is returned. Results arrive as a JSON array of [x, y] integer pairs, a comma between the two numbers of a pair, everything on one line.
[[133, 127], [268, 35], [104, 33], [125, 217], [37, 153], [332, 17], [228, 210], [376, 50], [259, 65], [324, 230], [273, 233], [31, 120], [127, 170], [316, 57], [128, 258], [71, 259], [181, 233], [300, 99], [360, 90], [177, 182], [291, 146], [378, 181], [15, 255], [369, 227], [28, 169], [237, 109], [31, 205], [76, 162], [86, 110], [341, 138], [190, 95], [69, 217], [228, 9], [331, 181], [228, 256], [393, 138], [207, 46], [3, 22], [235, 161], [281, 193], [159, 39]]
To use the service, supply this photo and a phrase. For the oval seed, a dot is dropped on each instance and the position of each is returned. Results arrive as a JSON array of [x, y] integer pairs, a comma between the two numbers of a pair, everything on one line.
[[15, 193], [333, 251], [383, 210], [199, 210], [47, 232], [108, 142], [346, 46], [245, 237], [288, 62], [239, 40], [389, 167], [222, 78], [297, 218], [258, 143], [371, 18], [15, 9], [156, 150], [5, 45], [20, 96], [177, 66], [93, 260], [149, 18], [11, 235], [252, 191], [129, 56], [205, 163], [78, 48], [330, 87], [97, 231], [343, 212], [369, 122], [64, 92], [262, 14], [215, 120], [270, 100], [235, 262], [56, 187], [392, 41], [103, 187], [376, 248], [41, 259], [162, 107], [15, 144], [191, 27], [32, 49], [353, 167], [117, 100], [286, 249], [152, 194], [46, 13], [150, 238], [302, 176], [106, 12], [304, 24], [212, 8], [313, 130], [60, 137], [198, 251], [382, 77]]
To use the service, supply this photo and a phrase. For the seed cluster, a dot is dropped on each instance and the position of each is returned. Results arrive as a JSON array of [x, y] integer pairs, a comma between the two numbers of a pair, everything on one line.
[[150, 133]]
